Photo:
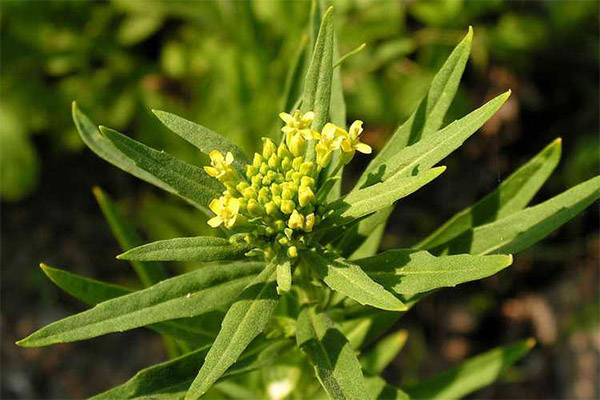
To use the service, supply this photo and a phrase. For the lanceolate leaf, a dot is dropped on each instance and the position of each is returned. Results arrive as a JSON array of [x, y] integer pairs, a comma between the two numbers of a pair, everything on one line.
[[187, 295], [175, 376], [408, 272], [317, 85], [435, 147], [513, 194], [187, 181], [203, 138], [374, 198], [347, 278], [471, 375], [525, 228], [331, 355], [245, 320], [428, 117], [384, 352], [92, 292], [378, 389], [148, 272], [199, 248]]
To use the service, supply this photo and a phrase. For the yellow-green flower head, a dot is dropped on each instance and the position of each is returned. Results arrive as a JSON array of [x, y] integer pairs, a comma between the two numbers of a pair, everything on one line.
[[329, 140], [226, 209], [351, 142], [220, 166], [297, 130]]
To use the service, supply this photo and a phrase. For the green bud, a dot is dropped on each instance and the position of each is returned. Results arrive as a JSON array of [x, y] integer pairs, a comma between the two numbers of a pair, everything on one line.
[[305, 196], [268, 148], [307, 168], [277, 200], [257, 160], [282, 151], [264, 168], [254, 208], [297, 163], [296, 176], [275, 189], [241, 186], [279, 225], [288, 232], [297, 145], [286, 163], [309, 222], [250, 171], [271, 208], [266, 181], [273, 161], [263, 195], [287, 194], [307, 181], [292, 252], [287, 206], [283, 241]]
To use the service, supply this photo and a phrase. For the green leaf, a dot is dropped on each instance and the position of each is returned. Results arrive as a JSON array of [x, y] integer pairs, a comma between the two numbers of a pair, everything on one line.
[[365, 328], [188, 181], [384, 352], [378, 389], [408, 272], [149, 273], [362, 240], [330, 353], [245, 320], [525, 228], [175, 376], [513, 194], [199, 248], [106, 150], [345, 277], [433, 148], [429, 115], [203, 138], [471, 375], [284, 276], [92, 292], [373, 198], [317, 84], [184, 296]]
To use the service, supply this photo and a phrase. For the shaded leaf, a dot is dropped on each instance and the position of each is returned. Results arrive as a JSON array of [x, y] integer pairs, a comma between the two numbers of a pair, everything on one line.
[[284, 276], [384, 352], [378, 389], [187, 295], [347, 278], [245, 320], [199, 248], [512, 195], [471, 375], [408, 272], [525, 228], [330, 353]]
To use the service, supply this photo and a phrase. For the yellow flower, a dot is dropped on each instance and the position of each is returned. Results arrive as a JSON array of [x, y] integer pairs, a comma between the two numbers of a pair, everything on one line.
[[226, 209], [297, 130], [220, 165], [329, 140], [351, 143]]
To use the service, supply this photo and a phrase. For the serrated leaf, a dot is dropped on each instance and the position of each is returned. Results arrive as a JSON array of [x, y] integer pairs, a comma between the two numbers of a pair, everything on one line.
[[188, 181], [199, 248], [513, 194], [429, 115], [376, 197], [408, 272], [471, 375], [245, 320], [175, 376], [92, 292], [384, 352], [148, 272], [378, 389], [184, 296], [331, 355], [203, 138], [345, 277], [433, 148], [317, 84], [525, 228]]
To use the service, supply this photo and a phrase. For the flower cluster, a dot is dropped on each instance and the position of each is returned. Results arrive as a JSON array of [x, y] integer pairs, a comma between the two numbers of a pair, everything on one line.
[[274, 205]]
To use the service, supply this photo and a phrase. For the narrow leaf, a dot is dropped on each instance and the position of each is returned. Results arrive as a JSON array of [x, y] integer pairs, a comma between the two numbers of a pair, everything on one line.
[[376, 197], [187, 295], [408, 272], [284, 276], [148, 272], [347, 278], [330, 353], [378, 389], [384, 352], [525, 228], [199, 248], [245, 320], [190, 182], [203, 138], [471, 375], [513, 194]]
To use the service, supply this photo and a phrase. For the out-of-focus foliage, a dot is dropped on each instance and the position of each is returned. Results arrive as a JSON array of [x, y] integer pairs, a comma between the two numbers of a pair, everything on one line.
[[224, 64]]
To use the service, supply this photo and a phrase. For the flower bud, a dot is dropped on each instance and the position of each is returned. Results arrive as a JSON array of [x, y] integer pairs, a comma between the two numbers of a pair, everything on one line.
[[287, 194], [292, 252], [250, 171], [296, 220], [279, 225], [310, 221], [287, 206], [286, 163], [297, 145], [305, 195], [263, 195], [306, 168], [271, 208], [282, 151], [264, 168], [254, 208], [277, 200], [273, 161], [257, 160], [297, 162], [275, 189], [268, 148], [307, 181]]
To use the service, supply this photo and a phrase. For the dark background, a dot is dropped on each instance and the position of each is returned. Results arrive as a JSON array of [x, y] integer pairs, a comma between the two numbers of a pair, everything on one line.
[[224, 65]]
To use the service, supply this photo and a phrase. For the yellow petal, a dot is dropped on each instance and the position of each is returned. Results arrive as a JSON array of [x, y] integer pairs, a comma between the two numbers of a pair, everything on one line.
[[216, 206], [363, 148], [287, 118], [356, 128], [215, 156], [215, 221], [212, 171], [229, 158], [347, 146], [309, 116]]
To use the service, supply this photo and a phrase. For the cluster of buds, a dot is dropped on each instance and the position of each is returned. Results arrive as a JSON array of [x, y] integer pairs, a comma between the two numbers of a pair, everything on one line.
[[274, 204]]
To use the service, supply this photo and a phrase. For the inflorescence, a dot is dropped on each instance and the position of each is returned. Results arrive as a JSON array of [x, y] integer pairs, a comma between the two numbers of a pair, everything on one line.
[[277, 202]]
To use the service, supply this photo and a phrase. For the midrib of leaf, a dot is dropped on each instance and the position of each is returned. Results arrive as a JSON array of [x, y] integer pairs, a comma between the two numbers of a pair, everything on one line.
[[330, 365]]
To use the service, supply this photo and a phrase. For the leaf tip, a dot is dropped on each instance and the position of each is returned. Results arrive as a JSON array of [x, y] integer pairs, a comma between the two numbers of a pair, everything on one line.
[[122, 256]]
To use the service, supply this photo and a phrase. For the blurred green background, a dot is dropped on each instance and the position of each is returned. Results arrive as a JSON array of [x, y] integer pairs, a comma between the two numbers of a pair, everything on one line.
[[224, 64]]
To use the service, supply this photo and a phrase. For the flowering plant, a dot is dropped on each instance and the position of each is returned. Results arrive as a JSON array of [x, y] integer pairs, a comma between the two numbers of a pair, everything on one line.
[[293, 279]]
